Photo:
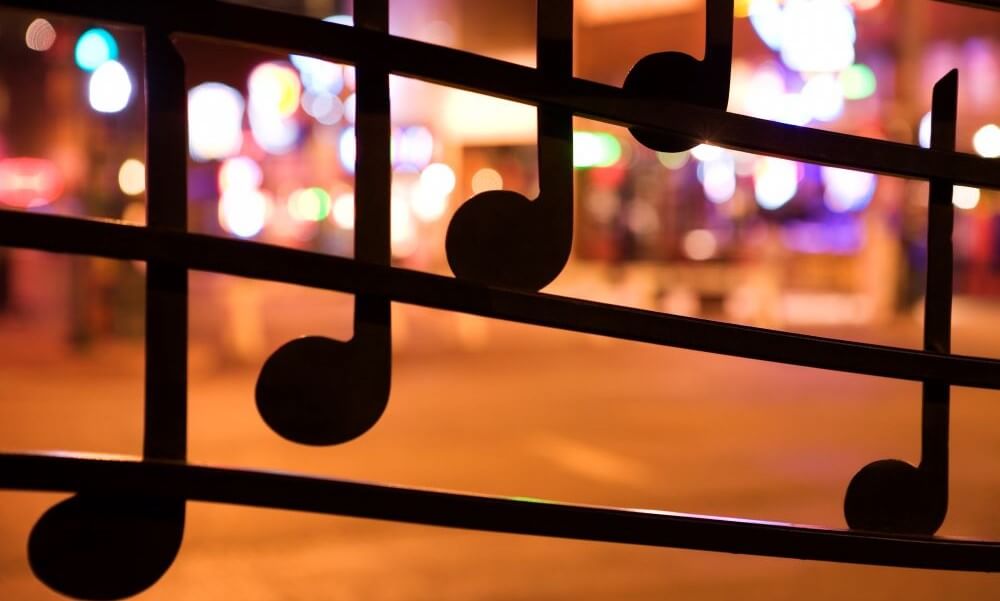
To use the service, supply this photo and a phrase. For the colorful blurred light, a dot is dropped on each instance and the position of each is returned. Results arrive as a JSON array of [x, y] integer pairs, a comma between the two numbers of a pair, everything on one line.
[[403, 232], [348, 149], [965, 197], [319, 75], [823, 97], [767, 21], [847, 190], [817, 35], [486, 179], [215, 121], [27, 182], [40, 35], [351, 108], [987, 141], [343, 211], [673, 160], [273, 133], [858, 82], [866, 4], [775, 182], [707, 152], [718, 178], [324, 107], [240, 173], [924, 131], [416, 147], [309, 204], [244, 212], [94, 48], [110, 88], [430, 199], [595, 149], [132, 177], [274, 89], [700, 245], [438, 179]]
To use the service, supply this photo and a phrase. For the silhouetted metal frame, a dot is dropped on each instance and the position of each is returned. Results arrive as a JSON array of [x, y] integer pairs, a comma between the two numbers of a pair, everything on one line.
[[170, 252]]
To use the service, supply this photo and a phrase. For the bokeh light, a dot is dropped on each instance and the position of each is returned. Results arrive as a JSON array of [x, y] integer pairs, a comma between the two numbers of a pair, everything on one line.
[[40, 35], [486, 179], [244, 212], [823, 97], [595, 149], [430, 199], [718, 178], [240, 173], [817, 35], [132, 177], [309, 204], [416, 147], [700, 245], [215, 121], [986, 141], [94, 48], [775, 182], [924, 131], [858, 82], [274, 88], [28, 182], [343, 211], [707, 152], [965, 197], [348, 149], [403, 231], [673, 160], [110, 88], [847, 190]]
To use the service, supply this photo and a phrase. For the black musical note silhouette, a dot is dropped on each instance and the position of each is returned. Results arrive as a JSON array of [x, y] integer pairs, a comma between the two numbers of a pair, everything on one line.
[[317, 390], [102, 546], [679, 77], [891, 495], [502, 238]]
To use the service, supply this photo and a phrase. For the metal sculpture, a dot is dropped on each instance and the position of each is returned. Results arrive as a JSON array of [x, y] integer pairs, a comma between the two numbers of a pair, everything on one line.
[[122, 529]]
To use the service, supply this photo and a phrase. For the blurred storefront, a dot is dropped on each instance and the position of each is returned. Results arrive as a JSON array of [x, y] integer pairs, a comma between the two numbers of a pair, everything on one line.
[[708, 231]]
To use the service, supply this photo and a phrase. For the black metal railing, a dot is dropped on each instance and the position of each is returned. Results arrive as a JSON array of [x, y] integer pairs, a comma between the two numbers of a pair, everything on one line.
[[122, 529]]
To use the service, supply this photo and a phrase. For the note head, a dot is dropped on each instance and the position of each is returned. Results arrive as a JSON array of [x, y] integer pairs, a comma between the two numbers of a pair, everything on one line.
[[672, 76], [500, 238], [106, 547], [319, 391], [895, 497]]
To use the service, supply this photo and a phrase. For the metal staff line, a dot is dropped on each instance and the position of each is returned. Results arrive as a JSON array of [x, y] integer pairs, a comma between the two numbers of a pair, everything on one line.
[[267, 262], [465, 70], [115, 475]]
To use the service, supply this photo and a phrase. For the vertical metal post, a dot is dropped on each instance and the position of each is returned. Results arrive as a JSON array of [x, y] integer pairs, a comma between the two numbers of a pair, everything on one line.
[[165, 432]]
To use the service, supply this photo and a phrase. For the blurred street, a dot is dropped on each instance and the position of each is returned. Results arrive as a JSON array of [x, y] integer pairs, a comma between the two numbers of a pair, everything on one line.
[[529, 413]]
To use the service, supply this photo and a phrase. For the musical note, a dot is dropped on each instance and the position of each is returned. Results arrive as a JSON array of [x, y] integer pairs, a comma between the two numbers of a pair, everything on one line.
[[891, 495], [679, 77], [317, 390], [502, 238], [100, 546]]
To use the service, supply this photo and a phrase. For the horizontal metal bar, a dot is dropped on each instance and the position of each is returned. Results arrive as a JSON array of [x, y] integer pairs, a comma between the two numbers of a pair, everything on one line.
[[267, 262], [455, 68], [109, 475], [984, 4]]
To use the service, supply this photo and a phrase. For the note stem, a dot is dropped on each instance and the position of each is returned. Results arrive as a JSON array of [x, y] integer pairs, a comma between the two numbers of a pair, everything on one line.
[[555, 125], [719, 15], [938, 301], [165, 422]]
